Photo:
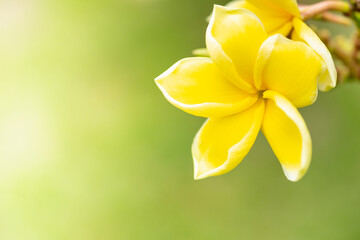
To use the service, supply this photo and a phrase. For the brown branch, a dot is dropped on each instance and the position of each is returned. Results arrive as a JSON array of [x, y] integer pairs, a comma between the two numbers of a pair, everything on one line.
[[313, 10], [335, 18]]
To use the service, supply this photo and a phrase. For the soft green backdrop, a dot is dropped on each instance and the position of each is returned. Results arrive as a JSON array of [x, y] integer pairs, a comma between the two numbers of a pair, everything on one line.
[[90, 149]]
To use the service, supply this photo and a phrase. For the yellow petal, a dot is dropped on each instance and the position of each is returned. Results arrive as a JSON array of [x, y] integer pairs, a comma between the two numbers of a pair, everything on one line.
[[287, 134], [302, 32], [196, 86], [290, 68], [233, 39], [222, 143], [275, 19], [284, 30], [279, 6]]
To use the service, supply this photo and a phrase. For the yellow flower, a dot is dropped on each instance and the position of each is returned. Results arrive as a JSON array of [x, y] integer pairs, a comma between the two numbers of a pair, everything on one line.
[[251, 81], [283, 16]]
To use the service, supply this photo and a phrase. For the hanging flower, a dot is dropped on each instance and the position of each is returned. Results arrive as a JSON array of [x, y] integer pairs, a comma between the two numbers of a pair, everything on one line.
[[251, 81]]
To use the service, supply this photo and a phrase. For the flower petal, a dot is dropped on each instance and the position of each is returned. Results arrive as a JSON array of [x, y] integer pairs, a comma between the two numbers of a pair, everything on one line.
[[196, 86], [233, 39], [288, 6], [302, 32], [275, 19], [222, 143], [287, 134], [290, 68]]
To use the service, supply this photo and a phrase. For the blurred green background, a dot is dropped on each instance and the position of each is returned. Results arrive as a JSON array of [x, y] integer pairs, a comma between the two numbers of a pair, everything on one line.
[[90, 149]]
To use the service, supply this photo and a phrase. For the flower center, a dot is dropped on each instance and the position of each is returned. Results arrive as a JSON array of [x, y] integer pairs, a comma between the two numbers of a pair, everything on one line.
[[260, 93]]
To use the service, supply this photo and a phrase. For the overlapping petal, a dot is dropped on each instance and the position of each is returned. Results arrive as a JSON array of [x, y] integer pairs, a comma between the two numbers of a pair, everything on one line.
[[196, 86], [288, 6], [290, 68], [233, 39], [222, 143], [303, 33], [275, 15], [287, 134]]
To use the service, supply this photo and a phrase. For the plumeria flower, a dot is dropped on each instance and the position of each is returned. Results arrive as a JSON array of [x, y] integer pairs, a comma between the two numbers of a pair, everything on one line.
[[284, 17], [251, 81]]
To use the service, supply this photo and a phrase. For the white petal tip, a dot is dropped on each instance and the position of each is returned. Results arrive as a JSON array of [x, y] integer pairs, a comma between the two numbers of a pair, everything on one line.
[[204, 173], [216, 6], [327, 88], [200, 177], [295, 175]]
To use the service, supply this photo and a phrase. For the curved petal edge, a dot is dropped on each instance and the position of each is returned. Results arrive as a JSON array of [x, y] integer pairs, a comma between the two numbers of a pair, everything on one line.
[[289, 67], [301, 31], [196, 86], [222, 143], [288, 135], [233, 39]]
